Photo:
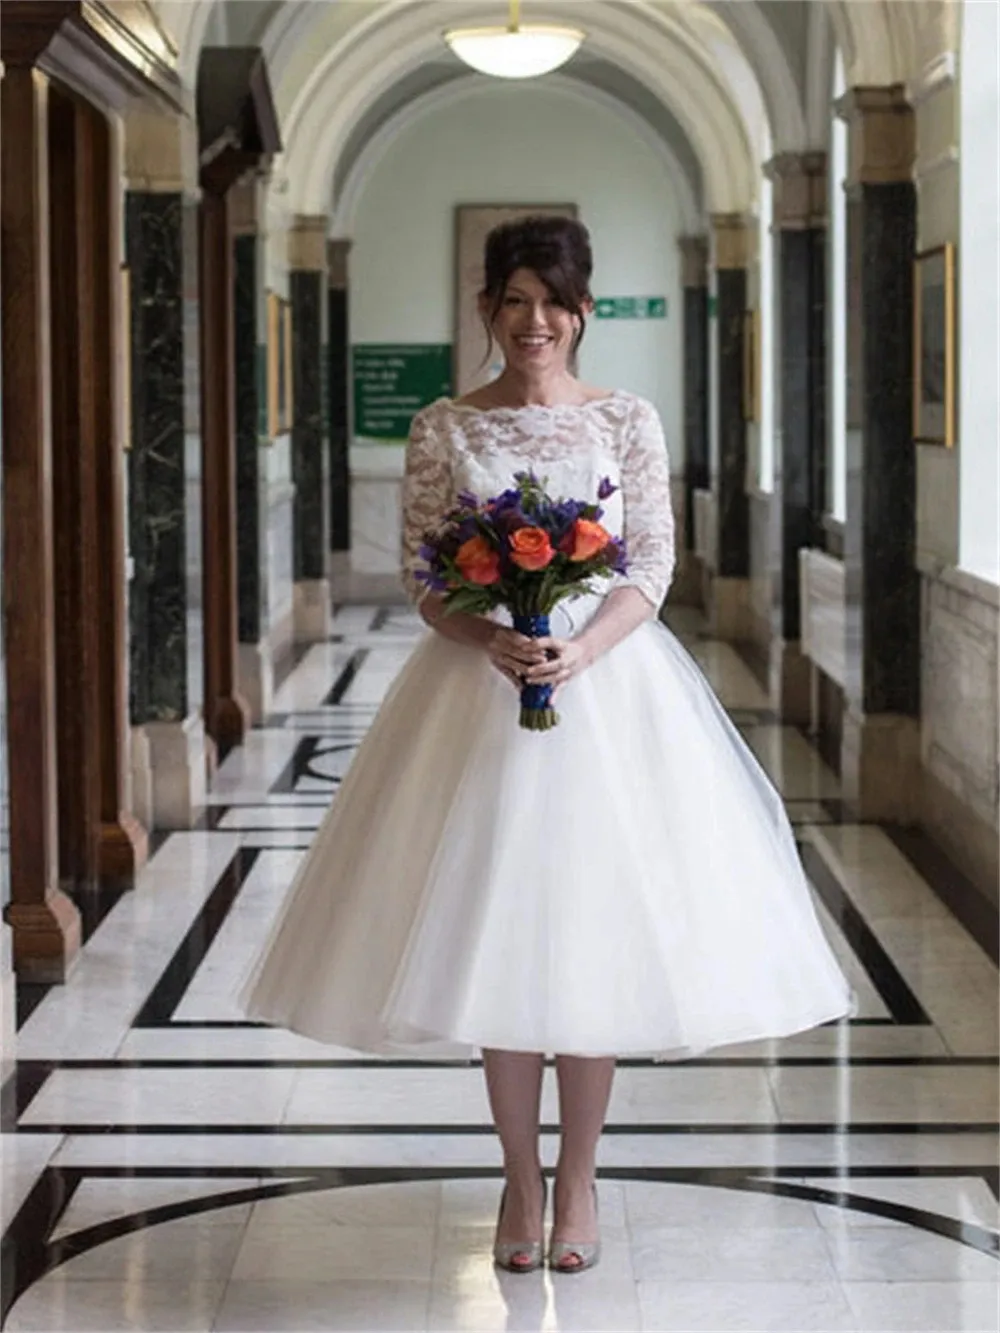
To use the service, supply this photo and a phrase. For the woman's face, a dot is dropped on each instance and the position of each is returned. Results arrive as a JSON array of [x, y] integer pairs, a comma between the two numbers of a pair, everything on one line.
[[535, 333]]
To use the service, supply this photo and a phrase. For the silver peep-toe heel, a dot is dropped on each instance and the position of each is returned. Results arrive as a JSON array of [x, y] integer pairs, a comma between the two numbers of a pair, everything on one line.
[[586, 1252], [505, 1252]]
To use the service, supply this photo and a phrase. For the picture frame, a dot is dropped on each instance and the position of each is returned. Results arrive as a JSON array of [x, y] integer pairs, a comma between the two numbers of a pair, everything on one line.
[[279, 365], [473, 223], [751, 365], [934, 346]]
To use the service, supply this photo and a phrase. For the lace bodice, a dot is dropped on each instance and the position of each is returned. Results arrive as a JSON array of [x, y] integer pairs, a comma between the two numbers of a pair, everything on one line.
[[453, 447]]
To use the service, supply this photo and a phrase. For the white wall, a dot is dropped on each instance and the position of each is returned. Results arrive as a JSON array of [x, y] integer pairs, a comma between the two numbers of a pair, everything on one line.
[[836, 497], [525, 144], [979, 294]]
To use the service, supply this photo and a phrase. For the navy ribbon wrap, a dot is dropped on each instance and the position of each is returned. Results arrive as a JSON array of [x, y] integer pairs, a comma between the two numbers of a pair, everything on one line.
[[537, 713]]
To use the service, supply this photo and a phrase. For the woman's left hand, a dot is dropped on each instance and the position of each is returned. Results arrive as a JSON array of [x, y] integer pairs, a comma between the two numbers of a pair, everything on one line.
[[567, 658]]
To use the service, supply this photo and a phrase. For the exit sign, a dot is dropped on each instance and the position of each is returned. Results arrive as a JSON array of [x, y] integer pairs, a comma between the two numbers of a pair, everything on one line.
[[631, 307]]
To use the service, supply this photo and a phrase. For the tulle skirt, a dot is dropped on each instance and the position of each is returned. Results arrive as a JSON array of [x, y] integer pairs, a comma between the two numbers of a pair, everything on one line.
[[625, 884]]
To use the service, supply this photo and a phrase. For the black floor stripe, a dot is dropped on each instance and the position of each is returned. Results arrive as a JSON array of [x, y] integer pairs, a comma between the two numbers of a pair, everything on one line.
[[643, 1129], [27, 1254], [897, 996], [176, 977], [346, 678]]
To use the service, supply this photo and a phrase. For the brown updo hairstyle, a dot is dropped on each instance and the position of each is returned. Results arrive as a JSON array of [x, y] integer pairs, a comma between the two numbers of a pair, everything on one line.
[[556, 249]]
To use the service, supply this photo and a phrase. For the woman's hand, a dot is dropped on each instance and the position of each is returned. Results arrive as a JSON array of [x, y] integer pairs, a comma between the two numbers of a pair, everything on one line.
[[514, 654], [565, 658]]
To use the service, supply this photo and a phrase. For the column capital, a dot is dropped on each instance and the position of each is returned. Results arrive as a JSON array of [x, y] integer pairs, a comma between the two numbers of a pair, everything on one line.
[[734, 240], [337, 253], [248, 206], [800, 190], [882, 134], [694, 260], [161, 152], [307, 241]]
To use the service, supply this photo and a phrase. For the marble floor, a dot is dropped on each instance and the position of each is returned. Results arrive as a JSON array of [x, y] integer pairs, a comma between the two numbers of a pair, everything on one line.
[[167, 1166]]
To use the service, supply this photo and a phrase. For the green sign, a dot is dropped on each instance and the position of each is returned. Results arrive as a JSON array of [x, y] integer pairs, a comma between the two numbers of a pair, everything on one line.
[[631, 307], [394, 381]]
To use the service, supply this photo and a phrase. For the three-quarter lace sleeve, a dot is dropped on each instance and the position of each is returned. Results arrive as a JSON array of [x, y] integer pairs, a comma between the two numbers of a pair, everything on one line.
[[426, 492], [649, 515]]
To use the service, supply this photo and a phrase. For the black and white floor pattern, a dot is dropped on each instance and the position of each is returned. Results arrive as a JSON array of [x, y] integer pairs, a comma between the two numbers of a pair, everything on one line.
[[167, 1166]]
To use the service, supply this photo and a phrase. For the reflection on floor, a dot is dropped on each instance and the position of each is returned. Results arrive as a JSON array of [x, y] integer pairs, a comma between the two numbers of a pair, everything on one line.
[[166, 1166]]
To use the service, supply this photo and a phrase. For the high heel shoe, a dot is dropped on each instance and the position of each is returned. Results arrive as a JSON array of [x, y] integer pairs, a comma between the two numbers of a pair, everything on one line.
[[586, 1253], [506, 1252]]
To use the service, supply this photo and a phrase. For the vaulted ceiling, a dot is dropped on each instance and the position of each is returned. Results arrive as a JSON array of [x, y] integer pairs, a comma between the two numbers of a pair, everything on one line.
[[719, 84]]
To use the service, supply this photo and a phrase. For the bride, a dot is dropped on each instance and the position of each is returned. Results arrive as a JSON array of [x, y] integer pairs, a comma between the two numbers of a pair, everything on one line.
[[626, 884]]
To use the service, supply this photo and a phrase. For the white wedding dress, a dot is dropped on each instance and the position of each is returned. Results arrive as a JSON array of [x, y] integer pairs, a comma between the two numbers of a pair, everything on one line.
[[626, 883]]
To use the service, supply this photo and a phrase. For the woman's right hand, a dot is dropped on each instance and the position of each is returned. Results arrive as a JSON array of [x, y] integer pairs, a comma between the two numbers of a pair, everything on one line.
[[512, 653]]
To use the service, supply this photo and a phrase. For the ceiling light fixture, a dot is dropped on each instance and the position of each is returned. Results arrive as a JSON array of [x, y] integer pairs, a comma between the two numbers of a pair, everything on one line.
[[518, 51]]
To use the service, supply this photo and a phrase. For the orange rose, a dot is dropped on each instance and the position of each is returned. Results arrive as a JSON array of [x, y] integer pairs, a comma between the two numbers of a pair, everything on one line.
[[530, 548], [478, 562], [585, 539]]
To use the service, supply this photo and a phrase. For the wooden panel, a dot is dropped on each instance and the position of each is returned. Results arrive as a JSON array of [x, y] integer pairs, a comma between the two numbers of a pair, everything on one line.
[[45, 924]]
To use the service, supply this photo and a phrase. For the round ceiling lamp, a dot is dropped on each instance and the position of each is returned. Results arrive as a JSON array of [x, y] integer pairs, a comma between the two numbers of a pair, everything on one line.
[[518, 51]]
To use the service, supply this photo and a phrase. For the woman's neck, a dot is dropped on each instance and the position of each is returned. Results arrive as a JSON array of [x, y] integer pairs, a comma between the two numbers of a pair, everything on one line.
[[513, 390]]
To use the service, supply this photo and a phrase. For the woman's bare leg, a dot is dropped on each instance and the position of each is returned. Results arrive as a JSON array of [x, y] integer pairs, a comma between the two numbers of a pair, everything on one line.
[[584, 1092], [514, 1085]]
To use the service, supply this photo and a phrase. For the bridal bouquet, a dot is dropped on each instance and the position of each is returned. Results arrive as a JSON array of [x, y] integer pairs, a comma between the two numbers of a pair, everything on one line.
[[527, 552]]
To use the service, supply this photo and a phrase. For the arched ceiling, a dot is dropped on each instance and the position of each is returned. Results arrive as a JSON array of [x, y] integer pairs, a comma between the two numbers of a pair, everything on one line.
[[720, 84]]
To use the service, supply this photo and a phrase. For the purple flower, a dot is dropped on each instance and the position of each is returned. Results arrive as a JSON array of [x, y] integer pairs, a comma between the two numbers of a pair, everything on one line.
[[427, 552], [431, 580], [467, 500], [606, 489], [618, 555]]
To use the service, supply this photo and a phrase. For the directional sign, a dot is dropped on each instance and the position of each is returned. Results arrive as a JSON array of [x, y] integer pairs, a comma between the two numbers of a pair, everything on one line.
[[631, 307]]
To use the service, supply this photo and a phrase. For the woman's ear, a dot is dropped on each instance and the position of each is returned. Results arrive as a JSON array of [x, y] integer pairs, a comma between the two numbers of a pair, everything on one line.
[[587, 306]]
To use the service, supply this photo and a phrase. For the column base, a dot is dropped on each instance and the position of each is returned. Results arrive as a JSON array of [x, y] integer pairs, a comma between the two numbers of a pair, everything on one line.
[[178, 755], [8, 1005], [255, 673], [791, 682], [123, 847], [313, 610], [880, 767], [729, 610], [46, 937]]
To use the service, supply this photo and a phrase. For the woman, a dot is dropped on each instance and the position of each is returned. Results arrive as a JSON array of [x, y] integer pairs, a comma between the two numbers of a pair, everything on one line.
[[624, 884]]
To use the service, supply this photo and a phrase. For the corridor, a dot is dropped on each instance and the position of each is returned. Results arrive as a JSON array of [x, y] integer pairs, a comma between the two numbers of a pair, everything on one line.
[[169, 1167]]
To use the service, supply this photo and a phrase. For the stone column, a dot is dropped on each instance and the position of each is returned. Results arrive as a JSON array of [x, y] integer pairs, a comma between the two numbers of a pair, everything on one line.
[[307, 281], [733, 244], [694, 275], [257, 648], [8, 989], [799, 228], [338, 412], [161, 244], [881, 742], [45, 922]]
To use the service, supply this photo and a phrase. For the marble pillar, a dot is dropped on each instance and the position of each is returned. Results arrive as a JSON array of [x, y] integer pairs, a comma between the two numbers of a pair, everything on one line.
[[256, 652], [799, 229], [308, 293], [168, 739], [338, 411], [694, 254], [8, 990], [733, 239], [880, 757]]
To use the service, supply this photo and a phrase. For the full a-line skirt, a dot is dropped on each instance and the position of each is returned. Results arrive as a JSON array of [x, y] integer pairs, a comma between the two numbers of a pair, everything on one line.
[[625, 884]]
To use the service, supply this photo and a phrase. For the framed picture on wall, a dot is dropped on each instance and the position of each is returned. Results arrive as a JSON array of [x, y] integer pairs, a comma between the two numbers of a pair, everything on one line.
[[287, 400], [934, 346], [279, 365], [473, 223], [751, 365]]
